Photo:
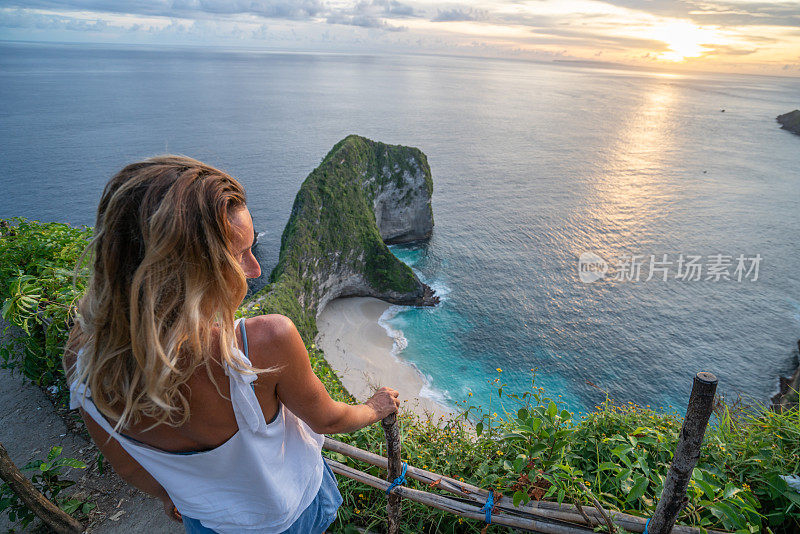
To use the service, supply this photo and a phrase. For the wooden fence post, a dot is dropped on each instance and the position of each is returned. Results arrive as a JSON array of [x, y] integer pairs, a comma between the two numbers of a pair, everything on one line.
[[393, 509], [673, 498], [53, 516]]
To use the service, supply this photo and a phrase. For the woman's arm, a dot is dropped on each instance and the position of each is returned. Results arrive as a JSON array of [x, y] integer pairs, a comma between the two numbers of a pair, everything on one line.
[[276, 341]]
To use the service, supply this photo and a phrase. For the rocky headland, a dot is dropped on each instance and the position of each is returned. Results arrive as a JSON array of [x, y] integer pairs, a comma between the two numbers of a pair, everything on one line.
[[363, 196], [790, 121]]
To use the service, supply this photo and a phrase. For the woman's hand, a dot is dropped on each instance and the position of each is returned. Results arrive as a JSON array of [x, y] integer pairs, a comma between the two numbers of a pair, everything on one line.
[[385, 401], [171, 511]]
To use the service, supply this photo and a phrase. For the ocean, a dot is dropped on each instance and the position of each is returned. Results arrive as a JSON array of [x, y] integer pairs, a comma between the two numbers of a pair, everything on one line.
[[609, 231]]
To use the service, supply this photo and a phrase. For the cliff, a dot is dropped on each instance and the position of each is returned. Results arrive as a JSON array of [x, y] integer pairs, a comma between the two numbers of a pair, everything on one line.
[[788, 388], [363, 196], [790, 121]]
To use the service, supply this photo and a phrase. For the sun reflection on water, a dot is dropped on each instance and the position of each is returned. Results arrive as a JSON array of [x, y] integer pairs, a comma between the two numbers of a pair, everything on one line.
[[628, 189]]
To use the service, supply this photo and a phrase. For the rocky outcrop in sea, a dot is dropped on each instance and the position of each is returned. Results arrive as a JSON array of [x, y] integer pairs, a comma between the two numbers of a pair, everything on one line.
[[363, 196], [790, 121]]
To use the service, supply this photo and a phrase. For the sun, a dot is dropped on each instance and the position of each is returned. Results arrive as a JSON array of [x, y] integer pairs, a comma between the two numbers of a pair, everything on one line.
[[684, 39]]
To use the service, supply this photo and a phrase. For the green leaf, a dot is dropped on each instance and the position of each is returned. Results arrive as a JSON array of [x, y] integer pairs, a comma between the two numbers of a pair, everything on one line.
[[734, 520], [552, 409], [70, 462], [71, 505], [707, 489], [730, 491], [520, 464], [536, 424], [479, 428], [519, 495], [640, 484], [536, 449], [55, 452], [514, 436]]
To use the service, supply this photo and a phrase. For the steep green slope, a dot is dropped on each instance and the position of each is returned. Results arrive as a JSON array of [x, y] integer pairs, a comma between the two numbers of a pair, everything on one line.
[[363, 195]]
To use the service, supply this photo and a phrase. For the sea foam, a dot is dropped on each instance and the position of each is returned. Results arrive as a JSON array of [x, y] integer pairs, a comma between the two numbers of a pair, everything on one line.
[[399, 343]]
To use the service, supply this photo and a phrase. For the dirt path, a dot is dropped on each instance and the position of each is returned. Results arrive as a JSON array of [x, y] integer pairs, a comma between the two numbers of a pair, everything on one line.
[[29, 426]]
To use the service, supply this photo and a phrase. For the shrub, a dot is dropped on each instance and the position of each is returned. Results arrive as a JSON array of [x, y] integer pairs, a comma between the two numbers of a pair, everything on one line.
[[37, 265]]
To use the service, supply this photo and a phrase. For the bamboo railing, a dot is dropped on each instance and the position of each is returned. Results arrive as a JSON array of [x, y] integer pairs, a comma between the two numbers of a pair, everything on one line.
[[537, 516], [471, 501]]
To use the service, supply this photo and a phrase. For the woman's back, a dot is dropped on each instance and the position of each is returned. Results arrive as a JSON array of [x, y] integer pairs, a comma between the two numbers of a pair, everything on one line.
[[259, 479], [212, 420]]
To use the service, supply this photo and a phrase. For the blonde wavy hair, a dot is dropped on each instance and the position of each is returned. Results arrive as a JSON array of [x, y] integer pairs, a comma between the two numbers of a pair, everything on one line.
[[163, 277]]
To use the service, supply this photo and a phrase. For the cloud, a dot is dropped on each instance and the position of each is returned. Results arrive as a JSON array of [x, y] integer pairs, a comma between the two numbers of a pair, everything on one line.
[[717, 49], [453, 15], [372, 14], [363, 21], [747, 14], [192, 9], [589, 39], [621, 30], [399, 9], [21, 19], [719, 12]]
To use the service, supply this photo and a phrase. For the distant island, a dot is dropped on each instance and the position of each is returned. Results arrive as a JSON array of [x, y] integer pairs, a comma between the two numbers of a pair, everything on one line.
[[790, 121], [363, 196]]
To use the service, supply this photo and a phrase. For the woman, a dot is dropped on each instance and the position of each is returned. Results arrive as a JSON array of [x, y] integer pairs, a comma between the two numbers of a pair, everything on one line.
[[219, 418]]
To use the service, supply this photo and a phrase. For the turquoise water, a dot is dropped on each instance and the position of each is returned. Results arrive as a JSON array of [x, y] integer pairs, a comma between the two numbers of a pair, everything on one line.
[[439, 342], [533, 165]]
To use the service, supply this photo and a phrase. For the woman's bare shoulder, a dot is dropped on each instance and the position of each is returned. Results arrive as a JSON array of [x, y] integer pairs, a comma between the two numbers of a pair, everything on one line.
[[271, 339]]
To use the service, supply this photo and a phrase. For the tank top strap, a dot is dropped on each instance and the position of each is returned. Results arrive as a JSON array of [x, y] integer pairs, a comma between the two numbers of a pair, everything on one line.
[[243, 396]]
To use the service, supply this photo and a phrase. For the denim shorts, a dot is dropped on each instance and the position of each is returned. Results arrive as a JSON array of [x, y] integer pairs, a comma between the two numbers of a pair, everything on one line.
[[316, 518]]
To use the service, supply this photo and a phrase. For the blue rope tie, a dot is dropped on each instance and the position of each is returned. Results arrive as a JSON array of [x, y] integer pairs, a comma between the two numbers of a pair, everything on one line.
[[488, 507], [646, 525], [399, 480]]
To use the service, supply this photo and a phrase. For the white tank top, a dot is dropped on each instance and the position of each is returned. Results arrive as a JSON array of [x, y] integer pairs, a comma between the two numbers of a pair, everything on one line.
[[260, 480]]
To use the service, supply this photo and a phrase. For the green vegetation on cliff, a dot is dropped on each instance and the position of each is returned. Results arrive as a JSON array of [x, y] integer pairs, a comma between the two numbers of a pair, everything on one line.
[[332, 228], [527, 445], [37, 265]]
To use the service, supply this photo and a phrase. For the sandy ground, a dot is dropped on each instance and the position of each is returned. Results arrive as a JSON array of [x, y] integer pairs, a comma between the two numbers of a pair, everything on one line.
[[360, 351], [29, 426]]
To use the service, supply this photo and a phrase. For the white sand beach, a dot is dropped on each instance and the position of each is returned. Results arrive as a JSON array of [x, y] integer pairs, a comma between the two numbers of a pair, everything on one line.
[[360, 351]]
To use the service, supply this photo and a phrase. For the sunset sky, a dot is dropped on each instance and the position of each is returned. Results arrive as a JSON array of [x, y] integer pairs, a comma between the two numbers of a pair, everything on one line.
[[716, 35]]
